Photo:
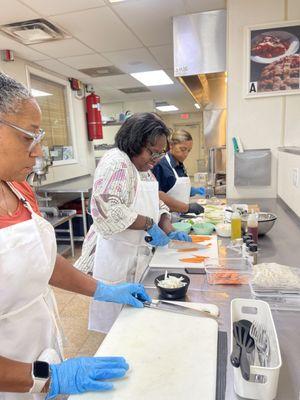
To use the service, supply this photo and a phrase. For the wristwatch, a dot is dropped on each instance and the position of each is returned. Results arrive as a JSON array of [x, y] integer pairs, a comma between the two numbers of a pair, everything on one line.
[[148, 224], [40, 374]]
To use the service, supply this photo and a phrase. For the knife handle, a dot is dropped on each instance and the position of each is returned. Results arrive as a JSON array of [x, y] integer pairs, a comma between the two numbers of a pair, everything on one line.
[[148, 239]]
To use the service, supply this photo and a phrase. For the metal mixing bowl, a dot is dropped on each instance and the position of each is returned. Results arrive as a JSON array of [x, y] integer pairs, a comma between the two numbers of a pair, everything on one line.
[[265, 222]]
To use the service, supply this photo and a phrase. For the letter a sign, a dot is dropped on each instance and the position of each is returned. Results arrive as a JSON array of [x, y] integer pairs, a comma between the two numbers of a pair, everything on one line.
[[253, 87]]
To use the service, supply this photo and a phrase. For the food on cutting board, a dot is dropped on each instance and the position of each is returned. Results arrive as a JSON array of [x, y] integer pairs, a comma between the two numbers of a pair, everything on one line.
[[188, 249], [227, 278], [273, 275], [194, 259], [199, 239], [269, 46], [171, 282]]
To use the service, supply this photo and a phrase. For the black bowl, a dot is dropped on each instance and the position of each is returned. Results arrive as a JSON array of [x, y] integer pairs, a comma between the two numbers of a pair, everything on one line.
[[172, 294]]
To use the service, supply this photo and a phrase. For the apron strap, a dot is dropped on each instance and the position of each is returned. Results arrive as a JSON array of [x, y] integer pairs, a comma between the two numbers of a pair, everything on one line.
[[20, 197], [174, 170]]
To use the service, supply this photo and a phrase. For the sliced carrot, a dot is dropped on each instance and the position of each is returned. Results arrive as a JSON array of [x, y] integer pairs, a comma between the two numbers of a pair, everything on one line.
[[198, 239], [188, 249], [195, 259]]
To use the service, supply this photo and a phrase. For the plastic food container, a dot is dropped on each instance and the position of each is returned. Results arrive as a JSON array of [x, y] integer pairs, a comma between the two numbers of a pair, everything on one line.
[[203, 228], [223, 230], [182, 226], [263, 380], [228, 271]]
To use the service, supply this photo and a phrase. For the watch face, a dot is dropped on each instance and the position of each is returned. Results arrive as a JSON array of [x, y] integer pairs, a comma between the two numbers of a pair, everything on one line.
[[41, 369]]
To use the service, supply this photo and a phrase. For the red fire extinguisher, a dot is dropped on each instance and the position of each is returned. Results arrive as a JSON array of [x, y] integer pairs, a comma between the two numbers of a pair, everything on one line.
[[93, 115]]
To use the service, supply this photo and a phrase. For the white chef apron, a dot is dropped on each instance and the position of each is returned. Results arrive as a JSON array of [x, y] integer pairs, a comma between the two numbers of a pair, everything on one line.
[[28, 312], [182, 188], [124, 256]]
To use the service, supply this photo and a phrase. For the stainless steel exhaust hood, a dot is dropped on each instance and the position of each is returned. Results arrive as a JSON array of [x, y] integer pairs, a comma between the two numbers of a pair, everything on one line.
[[200, 56]]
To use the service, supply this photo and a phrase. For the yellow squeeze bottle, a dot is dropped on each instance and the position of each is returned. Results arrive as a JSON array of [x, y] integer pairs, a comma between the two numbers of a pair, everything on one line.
[[236, 226]]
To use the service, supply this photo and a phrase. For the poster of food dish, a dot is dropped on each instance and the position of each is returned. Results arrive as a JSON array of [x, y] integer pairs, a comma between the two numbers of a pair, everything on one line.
[[273, 59]]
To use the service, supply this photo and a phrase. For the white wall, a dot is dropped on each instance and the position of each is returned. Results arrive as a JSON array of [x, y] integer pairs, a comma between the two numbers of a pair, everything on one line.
[[260, 122], [287, 189], [85, 157]]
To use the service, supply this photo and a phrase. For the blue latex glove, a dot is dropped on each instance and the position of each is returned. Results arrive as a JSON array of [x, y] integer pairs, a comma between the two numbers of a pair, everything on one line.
[[85, 374], [123, 293], [200, 190], [176, 235], [159, 238]]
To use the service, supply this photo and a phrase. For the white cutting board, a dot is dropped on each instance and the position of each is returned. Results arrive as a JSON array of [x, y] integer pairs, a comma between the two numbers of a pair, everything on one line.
[[169, 258], [171, 356]]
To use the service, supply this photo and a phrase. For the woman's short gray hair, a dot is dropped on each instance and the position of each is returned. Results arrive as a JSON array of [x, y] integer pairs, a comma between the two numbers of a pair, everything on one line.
[[180, 136], [12, 93]]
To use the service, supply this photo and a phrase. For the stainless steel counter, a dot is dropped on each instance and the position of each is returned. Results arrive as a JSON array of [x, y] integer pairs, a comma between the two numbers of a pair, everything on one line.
[[282, 244], [290, 149]]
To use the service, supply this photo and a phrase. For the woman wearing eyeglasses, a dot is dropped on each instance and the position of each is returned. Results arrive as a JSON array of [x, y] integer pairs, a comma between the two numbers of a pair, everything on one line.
[[31, 353], [126, 208], [174, 182]]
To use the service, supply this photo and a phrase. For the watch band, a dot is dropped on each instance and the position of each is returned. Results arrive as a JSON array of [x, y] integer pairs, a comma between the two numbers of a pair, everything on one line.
[[40, 374], [148, 224]]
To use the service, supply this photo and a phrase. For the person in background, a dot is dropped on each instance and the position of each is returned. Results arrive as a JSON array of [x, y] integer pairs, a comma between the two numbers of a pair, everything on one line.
[[174, 182], [31, 353], [125, 207]]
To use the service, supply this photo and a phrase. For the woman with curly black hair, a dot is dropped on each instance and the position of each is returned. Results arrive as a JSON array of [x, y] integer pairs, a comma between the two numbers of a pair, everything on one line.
[[126, 208]]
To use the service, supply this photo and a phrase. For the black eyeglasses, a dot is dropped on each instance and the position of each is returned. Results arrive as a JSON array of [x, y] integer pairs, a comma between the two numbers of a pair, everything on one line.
[[155, 155]]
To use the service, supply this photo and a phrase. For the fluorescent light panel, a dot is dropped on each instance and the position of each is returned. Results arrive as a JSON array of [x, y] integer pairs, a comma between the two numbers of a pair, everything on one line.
[[197, 106], [39, 93], [153, 78], [167, 108]]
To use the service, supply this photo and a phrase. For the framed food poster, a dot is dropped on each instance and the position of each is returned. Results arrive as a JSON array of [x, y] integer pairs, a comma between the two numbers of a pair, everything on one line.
[[273, 59]]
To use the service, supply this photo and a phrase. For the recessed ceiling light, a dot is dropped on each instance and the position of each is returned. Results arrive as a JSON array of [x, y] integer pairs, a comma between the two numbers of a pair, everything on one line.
[[197, 106], [115, 1], [39, 93], [153, 78], [167, 108]]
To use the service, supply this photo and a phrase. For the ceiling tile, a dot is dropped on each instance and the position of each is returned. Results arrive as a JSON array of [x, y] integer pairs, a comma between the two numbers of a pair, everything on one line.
[[116, 82], [55, 7], [61, 48], [164, 55], [13, 11], [194, 6], [86, 61], [99, 28], [135, 60], [20, 50], [151, 20], [62, 69]]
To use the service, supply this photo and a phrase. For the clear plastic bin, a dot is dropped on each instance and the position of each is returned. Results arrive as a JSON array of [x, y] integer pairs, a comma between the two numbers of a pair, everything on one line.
[[228, 271]]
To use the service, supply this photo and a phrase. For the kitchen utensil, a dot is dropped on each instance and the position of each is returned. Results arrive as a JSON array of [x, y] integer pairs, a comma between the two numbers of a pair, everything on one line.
[[182, 226], [171, 356], [243, 339], [169, 259], [182, 245], [176, 308], [265, 222], [172, 293], [203, 228], [262, 342]]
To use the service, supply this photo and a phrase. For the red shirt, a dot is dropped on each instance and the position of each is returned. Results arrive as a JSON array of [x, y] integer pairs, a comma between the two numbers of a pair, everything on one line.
[[21, 214]]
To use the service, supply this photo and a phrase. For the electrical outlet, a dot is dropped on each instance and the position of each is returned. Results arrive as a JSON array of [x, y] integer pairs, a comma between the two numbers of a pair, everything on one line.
[[295, 177]]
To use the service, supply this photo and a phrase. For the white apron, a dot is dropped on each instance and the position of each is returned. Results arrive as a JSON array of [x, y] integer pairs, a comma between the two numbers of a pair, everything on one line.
[[123, 257], [182, 189], [28, 323]]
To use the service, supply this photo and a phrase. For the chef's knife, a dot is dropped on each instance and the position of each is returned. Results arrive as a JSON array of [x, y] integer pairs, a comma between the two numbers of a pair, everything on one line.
[[181, 244], [179, 309]]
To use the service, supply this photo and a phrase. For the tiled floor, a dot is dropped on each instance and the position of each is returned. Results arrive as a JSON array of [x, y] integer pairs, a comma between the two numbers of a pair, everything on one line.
[[74, 310]]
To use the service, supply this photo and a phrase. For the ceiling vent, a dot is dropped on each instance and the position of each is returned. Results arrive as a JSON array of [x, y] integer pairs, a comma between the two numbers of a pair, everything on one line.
[[160, 103], [34, 31], [99, 72], [135, 90]]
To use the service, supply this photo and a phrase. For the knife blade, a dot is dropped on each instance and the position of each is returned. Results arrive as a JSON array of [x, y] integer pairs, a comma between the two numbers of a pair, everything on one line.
[[179, 309]]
